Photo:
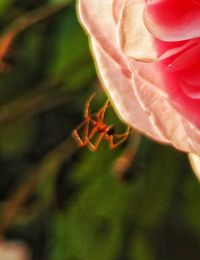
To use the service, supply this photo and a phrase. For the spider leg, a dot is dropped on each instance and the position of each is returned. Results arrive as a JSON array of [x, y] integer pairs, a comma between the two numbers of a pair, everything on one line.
[[87, 106], [85, 139], [93, 147], [127, 132], [92, 133], [114, 145], [121, 138], [100, 114], [82, 141]]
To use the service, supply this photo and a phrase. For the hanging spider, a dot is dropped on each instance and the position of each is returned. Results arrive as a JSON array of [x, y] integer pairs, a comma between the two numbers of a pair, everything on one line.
[[94, 124]]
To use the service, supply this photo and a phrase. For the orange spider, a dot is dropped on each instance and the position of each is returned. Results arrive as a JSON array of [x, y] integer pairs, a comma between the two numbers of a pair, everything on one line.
[[94, 124]]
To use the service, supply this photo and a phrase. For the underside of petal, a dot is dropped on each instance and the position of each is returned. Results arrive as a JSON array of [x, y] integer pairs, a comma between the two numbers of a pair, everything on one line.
[[135, 39], [97, 18]]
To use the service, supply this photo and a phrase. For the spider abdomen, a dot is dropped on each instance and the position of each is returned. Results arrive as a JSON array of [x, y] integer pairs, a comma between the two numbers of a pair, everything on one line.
[[111, 130]]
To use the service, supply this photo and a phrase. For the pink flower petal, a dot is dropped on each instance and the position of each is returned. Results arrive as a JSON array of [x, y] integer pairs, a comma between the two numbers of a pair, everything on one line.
[[195, 164], [117, 7], [173, 20], [144, 106], [97, 18], [122, 94], [135, 40]]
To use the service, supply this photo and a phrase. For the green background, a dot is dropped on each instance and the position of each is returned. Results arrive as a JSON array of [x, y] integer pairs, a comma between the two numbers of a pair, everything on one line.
[[66, 202]]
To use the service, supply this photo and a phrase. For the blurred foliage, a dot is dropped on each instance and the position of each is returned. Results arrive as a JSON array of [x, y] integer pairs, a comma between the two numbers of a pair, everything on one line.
[[138, 202]]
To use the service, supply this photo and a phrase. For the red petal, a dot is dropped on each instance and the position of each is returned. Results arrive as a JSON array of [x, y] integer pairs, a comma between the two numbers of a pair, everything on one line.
[[173, 20]]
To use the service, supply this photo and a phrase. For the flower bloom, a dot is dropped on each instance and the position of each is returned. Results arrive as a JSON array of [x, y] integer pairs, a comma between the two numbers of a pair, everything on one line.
[[147, 53], [14, 250]]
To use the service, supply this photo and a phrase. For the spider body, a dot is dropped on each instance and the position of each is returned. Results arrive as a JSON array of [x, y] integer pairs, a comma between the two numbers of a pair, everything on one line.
[[103, 128], [111, 130], [95, 124]]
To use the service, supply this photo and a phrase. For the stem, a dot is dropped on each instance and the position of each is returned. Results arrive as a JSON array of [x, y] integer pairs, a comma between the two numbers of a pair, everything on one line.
[[24, 22]]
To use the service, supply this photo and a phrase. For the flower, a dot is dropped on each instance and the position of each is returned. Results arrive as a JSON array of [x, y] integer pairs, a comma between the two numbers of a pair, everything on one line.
[[14, 250], [147, 54]]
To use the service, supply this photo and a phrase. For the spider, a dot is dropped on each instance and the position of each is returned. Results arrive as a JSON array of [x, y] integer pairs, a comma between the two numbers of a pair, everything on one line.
[[94, 124]]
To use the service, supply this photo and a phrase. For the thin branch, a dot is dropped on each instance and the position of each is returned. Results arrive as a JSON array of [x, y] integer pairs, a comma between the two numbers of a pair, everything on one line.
[[124, 161], [23, 23]]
